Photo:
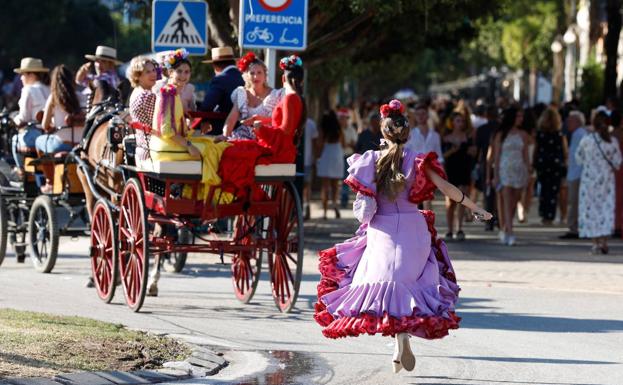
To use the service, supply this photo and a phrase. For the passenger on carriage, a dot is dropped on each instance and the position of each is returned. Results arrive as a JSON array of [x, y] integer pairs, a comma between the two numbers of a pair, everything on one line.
[[277, 136], [255, 98], [171, 139], [63, 120], [31, 102], [181, 73], [227, 78], [100, 69], [143, 74]]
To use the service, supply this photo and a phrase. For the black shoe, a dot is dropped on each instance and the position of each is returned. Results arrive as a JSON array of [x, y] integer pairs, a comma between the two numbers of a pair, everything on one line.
[[90, 283], [569, 236], [448, 236], [21, 258]]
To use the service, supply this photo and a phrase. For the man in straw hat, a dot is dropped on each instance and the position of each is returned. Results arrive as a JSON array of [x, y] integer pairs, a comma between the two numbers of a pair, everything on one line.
[[101, 67], [31, 104], [227, 79]]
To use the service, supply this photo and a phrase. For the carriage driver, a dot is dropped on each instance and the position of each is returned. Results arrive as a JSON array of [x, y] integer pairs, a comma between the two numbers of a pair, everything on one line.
[[100, 68]]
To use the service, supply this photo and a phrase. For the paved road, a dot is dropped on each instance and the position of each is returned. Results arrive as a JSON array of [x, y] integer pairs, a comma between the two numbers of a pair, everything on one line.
[[543, 312]]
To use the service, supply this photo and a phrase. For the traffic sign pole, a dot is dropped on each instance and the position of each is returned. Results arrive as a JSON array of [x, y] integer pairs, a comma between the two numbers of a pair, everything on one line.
[[271, 64]]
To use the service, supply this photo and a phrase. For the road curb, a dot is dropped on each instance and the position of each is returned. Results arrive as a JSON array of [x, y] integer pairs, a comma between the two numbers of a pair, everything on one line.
[[202, 362]]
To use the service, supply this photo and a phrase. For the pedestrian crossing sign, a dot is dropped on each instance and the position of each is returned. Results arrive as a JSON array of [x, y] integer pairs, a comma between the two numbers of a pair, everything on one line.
[[179, 24]]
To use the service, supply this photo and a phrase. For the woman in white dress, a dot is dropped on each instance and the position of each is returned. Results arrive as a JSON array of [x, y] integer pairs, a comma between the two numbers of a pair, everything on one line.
[[329, 166], [256, 98], [600, 156]]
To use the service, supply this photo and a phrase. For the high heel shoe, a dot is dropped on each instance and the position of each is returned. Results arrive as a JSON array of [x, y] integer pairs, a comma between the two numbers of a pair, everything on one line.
[[337, 213], [407, 359]]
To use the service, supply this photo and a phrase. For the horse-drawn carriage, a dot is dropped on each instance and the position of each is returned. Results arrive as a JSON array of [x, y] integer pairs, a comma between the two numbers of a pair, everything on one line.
[[28, 218], [139, 213]]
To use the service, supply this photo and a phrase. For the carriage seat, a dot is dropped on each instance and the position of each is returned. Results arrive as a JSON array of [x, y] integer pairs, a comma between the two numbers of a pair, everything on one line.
[[275, 169], [180, 167]]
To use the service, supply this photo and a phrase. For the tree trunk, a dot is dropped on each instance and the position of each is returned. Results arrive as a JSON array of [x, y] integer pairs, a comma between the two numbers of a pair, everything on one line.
[[611, 47]]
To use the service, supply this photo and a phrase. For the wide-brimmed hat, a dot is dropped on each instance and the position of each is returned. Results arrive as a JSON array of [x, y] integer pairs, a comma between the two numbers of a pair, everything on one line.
[[31, 64], [221, 54], [103, 52]]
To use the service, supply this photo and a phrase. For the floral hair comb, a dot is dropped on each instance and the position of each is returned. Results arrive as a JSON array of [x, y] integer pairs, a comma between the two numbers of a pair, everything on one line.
[[289, 62], [176, 56], [246, 61], [393, 106]]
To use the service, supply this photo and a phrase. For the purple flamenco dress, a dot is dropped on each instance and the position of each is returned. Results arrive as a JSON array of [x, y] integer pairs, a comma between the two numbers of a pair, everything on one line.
[[394, 276]]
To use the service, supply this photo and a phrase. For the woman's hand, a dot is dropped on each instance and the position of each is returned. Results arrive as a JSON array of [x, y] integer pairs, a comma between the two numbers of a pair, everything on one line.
[[194, 152], [250, 121], [482, 215], [220, 138]]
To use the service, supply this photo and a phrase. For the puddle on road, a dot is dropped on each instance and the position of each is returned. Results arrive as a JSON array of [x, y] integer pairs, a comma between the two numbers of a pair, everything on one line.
[[284, 369]]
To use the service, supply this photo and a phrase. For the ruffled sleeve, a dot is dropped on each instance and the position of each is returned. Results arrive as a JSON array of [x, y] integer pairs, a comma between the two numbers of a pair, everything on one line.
[[361, 173], [239, 99], [423, 188]]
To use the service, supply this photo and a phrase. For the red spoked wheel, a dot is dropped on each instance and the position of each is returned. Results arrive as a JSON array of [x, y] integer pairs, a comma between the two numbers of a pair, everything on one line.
[[246, 265], [104, 251], [286, 260], [133, 244]]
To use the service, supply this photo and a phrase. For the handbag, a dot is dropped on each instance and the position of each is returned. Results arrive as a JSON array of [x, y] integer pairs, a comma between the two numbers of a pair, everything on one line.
[[614, 169]]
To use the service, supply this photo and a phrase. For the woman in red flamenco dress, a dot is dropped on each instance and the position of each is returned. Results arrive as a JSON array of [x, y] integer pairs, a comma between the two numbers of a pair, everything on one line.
[[394, 277], [277, 136]]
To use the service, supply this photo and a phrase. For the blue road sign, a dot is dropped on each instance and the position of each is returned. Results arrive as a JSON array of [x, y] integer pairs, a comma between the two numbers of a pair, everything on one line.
[[179, 24], [280, 24]]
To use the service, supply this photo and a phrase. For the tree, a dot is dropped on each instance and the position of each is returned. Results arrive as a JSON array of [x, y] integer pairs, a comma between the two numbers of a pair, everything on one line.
[[611, 47]]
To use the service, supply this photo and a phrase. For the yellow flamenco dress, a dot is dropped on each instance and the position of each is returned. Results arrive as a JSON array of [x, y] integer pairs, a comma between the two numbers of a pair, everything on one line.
[[169, 121]]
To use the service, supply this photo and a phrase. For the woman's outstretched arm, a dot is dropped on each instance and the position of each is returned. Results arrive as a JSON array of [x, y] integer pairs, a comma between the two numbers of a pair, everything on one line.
[[452, 192]]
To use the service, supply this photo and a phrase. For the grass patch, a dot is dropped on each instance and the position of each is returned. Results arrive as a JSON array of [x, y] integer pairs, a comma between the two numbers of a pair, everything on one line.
[[38, 344]]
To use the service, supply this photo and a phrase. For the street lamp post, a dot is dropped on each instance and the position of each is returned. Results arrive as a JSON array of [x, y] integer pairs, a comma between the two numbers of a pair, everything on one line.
[[570, 39]]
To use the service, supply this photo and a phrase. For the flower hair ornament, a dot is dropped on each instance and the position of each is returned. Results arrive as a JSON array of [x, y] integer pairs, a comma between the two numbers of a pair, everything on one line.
[[290, 62], [174, 57], [245, 62], [392, 110]]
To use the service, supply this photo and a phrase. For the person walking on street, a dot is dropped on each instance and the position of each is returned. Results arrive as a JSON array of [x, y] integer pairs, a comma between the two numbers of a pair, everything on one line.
[[457, 145], [329, 165], [394, 277], [575, 126], [549, 161], [511, 167], [484, 137], [349, 135], [311, 146], [600, 157]]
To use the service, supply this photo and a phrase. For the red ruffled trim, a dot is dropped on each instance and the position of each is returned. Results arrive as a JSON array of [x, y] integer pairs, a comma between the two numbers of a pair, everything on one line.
[[429, 327], [423, 189], [358, 187]]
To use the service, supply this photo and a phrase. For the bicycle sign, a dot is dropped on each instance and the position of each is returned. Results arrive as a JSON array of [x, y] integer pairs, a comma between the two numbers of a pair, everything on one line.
[[279, 24]]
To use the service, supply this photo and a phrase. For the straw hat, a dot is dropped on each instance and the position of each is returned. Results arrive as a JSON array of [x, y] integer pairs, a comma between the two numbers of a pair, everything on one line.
[[31, 64], [103, 52], [221, 54]]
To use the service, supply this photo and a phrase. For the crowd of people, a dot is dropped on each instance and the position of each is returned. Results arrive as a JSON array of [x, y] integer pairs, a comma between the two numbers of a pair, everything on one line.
[[502, 154]]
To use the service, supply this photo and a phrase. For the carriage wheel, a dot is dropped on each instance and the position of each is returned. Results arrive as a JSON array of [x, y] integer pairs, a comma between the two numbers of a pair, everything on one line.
[[43, 234], [286, 261], [4, 230], [104, 250], [175, 262], [246, 264], [133, 244]]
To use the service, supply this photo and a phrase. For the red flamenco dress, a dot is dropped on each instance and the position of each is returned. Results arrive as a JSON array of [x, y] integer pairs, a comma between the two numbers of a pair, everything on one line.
[[395, 275], [274, 144]]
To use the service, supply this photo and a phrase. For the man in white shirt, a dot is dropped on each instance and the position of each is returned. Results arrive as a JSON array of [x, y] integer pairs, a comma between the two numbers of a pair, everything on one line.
[[423, 138]]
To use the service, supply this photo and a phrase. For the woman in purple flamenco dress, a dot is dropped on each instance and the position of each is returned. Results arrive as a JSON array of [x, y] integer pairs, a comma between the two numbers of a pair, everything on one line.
[[394, 277]]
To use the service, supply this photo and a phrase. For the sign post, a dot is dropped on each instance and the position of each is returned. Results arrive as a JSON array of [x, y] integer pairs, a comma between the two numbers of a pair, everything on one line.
[[273, 25], [179, 24]]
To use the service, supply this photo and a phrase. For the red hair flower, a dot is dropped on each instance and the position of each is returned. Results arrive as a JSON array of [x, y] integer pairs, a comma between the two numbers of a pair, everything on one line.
[[245, 61], [393, 106]]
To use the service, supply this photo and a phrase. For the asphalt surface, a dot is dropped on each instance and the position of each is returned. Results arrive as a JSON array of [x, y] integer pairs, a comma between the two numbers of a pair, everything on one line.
[[543, 312]]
